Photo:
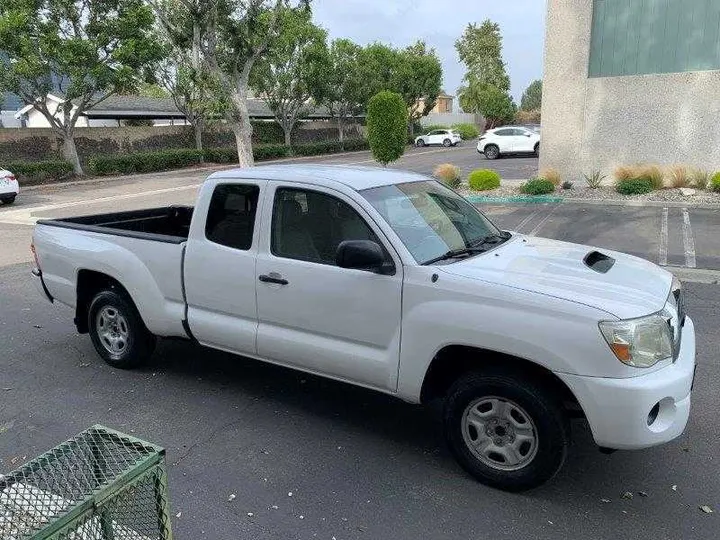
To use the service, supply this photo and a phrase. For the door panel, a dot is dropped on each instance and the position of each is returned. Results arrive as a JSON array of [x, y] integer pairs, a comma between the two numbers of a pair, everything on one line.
[[220, 271], [523, 143], [334, 321]]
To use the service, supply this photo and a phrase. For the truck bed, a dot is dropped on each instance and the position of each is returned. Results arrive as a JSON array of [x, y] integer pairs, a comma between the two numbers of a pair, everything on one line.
[[167, 224]]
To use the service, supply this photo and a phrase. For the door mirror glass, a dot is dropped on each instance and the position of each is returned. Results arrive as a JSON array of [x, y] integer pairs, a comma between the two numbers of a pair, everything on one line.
[[360, 255]]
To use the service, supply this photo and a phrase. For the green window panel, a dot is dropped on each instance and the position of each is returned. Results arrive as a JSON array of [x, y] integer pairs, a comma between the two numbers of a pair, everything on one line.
[[633, 37]]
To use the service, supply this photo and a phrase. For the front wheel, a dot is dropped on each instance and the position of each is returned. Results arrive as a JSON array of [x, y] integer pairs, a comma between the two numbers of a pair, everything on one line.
[[447, 143], [536, 150], [505, 430], [420, 143], [117, 330], [492, 151], [8, 200]]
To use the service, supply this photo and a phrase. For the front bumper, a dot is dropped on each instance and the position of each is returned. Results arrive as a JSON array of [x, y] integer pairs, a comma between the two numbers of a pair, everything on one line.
[[617, 409]]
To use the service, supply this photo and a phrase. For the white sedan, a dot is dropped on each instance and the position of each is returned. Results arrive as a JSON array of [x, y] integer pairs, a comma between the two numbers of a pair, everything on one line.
[[509, 140], [446, 137], [9, 187]]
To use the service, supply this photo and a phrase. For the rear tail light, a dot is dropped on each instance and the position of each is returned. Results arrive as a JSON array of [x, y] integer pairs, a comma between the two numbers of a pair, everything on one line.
[[35, 256], [11, 177]]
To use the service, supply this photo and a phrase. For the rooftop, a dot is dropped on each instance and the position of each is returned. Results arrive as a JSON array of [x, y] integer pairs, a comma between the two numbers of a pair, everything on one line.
[[354, 177]]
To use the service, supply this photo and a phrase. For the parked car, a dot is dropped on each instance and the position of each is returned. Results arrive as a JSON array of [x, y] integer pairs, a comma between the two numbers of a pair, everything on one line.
[[532, 127], [388, 280], [446, 137], [9, 187], [509, 140]]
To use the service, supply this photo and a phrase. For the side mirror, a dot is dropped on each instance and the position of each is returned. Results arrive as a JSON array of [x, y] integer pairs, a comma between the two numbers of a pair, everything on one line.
[[360, 255], [528, 134]]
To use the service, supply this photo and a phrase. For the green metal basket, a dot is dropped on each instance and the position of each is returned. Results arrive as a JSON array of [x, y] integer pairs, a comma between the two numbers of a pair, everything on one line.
[[99, 485]]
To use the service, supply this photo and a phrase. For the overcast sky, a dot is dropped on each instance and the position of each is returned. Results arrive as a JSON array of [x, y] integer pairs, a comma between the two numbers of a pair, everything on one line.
[[440, 23]]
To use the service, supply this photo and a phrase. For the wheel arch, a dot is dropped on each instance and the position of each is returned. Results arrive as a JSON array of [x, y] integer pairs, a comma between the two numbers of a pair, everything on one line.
[[89, 284], [453, 361]]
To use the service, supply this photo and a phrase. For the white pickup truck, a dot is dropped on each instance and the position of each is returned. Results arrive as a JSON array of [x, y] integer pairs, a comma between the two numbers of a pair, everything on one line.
[[388, 280]]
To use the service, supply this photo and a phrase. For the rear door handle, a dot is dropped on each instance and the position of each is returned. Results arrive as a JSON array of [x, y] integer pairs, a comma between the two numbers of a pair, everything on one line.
[[273, 279]]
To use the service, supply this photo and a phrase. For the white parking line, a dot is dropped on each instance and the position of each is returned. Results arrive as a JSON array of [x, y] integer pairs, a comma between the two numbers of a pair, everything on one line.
[[688, 240], [526, 221], [543, 220], [662, 259]]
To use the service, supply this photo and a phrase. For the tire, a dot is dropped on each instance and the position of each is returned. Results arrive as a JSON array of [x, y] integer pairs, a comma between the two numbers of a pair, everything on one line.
[[9, 200], [544, 431], [536, 151], [126, 342], [420, 143], [447, 143], [492, 151]]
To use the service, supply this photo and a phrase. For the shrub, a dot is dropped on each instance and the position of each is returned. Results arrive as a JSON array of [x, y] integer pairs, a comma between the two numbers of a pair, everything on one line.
[[699, 178], [351, 145], [387, 126], [448, 174], [653, 173], [594, 179], [635, 186], [678, 176], [483, 180], [315, 149], [38, 172], [221, 155], [466, 131], [715, 182], [537, 186], [567, 184], [143, 162], [552, 175]]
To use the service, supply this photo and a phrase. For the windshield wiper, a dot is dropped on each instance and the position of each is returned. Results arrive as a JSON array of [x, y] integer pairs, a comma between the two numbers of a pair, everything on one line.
[[490, 239], [455, 253]]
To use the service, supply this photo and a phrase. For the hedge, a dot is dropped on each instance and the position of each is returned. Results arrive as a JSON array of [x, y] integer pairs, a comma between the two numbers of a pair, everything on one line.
[[387, 126], [144, 162], [37, 172], [537, 186]]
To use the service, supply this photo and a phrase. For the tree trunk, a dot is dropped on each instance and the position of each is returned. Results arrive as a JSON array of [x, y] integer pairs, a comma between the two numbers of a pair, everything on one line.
[[239, 120], [287, 129], [341, 132], [70, 154], [198, 128]]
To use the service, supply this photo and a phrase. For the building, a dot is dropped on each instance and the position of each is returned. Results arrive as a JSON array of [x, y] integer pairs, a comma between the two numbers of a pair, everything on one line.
[[630, 81], [443, 104], [119, 110]]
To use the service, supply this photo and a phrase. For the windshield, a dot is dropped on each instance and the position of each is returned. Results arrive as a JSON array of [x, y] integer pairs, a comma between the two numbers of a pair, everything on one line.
[[429, 218]]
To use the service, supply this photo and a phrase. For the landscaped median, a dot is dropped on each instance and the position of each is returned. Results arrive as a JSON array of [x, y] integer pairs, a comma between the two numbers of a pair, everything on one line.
[[41, 172], [638, 183]]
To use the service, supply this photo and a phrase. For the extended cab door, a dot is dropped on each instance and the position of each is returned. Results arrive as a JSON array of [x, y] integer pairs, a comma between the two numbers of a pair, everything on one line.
[[339, 322], [219, 267]]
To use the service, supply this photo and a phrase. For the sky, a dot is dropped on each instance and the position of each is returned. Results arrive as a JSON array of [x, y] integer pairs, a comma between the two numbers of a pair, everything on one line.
[[439, 23]]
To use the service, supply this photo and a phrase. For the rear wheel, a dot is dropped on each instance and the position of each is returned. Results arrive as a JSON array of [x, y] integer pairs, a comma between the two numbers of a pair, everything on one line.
[[447, 143], [8, 200], [117, 331], [505, 430], [492, 151], [537, 150]]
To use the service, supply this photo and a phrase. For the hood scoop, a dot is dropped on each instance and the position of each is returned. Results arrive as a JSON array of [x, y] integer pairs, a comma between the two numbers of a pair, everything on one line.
[[599, 262]]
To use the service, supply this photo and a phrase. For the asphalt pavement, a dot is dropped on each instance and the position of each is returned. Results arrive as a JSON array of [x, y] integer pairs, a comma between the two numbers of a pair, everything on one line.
[[359, 465]]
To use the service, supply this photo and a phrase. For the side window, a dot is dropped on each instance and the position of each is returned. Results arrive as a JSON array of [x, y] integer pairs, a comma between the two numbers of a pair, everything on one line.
[[520, 132], [505, 132], [309, 226], [231, 216]]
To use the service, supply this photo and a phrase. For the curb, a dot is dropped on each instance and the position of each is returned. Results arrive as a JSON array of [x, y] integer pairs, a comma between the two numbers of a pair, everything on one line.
[[515, 199], [655, 204], [695, 275]]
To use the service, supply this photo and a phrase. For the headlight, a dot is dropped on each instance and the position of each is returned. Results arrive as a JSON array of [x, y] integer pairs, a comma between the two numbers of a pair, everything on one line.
[[641, 342]]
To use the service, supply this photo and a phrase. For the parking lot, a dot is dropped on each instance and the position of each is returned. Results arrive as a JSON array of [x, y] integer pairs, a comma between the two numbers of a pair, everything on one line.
[[311, 458]]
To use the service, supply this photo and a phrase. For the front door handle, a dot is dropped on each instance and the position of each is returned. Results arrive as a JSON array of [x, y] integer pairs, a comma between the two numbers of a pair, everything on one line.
[[273, 279]]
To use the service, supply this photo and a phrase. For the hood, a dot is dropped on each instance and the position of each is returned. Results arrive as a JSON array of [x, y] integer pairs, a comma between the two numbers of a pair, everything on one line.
[[631, 287]]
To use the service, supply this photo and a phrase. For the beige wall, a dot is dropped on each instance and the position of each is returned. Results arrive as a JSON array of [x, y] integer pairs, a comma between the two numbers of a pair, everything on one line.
[[599, 123]]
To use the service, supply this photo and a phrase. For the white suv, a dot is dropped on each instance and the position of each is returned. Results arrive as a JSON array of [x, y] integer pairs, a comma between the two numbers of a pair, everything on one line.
[[509, 140], [9, 187], [446, 137]]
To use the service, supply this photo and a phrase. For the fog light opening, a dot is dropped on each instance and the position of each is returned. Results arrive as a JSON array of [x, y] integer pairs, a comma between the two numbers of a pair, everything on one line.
[[653, 414]]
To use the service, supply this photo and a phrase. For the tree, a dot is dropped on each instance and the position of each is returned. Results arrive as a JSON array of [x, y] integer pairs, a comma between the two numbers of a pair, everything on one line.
[[87, 50], [232, 35], [153, 90], [420, 79], [286, 77], [495, 105], [480, 49], [387, 126], [532, 97], [340, 86], [379, 70]]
